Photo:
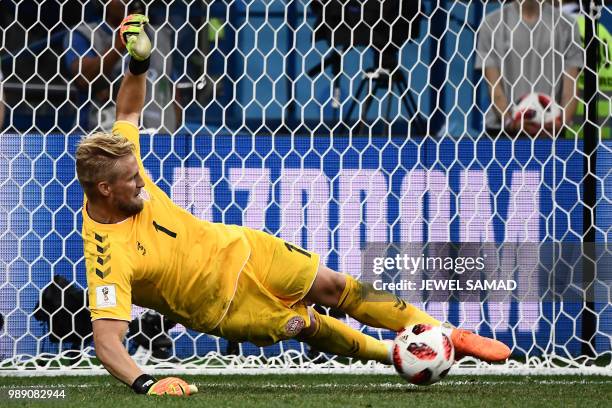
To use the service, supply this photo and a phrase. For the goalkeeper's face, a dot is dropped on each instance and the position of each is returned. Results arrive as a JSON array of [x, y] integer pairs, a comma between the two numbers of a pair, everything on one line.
[[125, 189]]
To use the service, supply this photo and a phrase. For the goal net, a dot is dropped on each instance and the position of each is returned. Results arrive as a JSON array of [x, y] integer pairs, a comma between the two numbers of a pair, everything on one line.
[[362, 130]]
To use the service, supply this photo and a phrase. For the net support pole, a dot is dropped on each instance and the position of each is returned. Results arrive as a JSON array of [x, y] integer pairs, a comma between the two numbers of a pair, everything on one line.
[[591, 140]]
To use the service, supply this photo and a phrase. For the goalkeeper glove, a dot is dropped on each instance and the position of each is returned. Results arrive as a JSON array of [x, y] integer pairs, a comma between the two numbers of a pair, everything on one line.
[[145, 384], [134, 37]]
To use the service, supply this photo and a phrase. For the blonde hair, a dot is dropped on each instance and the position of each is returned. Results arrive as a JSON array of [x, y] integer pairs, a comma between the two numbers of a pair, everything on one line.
[[96, 157]]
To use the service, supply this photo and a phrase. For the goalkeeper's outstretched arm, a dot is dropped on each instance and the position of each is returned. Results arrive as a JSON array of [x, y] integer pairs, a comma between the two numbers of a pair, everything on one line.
[[131, 96], [108, 339], [130, 99]]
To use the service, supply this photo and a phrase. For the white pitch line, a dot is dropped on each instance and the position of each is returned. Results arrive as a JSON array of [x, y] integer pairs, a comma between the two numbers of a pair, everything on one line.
[[356, 386]]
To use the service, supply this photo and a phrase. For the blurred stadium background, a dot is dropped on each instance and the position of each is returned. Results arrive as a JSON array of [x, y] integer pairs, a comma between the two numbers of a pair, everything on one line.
[[277, 115]]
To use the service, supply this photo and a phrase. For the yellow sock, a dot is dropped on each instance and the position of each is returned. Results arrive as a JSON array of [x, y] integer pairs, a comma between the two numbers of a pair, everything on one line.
[[333, 336], [378, 308]]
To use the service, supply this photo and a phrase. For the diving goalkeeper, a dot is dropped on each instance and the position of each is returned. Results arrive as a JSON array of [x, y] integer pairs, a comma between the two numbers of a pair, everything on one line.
[[230, 281]]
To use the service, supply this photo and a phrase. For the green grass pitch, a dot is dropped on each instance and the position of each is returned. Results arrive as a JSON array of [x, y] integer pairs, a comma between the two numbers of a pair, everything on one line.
[[329, 391]]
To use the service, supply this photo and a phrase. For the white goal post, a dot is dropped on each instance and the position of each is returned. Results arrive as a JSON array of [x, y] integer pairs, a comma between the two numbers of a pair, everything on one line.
[[344, 126]]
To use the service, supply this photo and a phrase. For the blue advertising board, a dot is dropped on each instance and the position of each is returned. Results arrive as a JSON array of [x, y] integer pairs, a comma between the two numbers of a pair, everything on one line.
[[331, 195]]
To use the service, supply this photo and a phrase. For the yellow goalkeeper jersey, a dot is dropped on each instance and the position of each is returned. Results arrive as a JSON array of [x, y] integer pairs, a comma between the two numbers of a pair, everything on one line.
[[163, 258]]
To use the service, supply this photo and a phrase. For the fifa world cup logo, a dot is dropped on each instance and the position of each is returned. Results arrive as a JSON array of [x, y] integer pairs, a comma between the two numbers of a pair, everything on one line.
[[105, 294]]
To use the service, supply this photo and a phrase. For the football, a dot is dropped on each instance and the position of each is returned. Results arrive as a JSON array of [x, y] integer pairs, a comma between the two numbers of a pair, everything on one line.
[[537, 108], [423, 354]]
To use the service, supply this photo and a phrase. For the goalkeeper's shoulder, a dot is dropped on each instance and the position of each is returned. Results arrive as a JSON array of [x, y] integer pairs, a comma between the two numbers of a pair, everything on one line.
[[127, 129]]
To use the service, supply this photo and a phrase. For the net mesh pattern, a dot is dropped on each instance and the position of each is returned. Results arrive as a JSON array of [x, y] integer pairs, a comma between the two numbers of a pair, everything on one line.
[[331, 124]]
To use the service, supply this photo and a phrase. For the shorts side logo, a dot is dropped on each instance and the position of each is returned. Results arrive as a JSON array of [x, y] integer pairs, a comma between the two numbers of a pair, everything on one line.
[[294, 326]]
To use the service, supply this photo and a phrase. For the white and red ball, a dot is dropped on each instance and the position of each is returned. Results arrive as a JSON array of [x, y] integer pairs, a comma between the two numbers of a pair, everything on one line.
[[537, 108], [423, 354]]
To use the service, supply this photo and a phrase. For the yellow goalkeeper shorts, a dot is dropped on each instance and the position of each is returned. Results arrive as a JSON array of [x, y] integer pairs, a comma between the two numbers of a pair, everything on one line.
[[268, 305]]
